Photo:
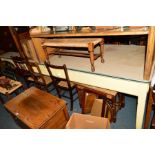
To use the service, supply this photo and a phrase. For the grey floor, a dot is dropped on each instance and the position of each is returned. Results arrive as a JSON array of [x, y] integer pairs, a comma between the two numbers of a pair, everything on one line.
[[125, 117]]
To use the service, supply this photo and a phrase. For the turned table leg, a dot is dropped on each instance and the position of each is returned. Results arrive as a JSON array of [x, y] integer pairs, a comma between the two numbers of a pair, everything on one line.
[[102, 50], [91, 53]]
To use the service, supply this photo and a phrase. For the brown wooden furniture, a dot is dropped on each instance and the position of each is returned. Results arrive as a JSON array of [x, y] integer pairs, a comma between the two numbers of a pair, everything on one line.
[[10, 88], [109, 99], [41, 81], [6, 40], [88, 43], [62, 83], [22, 68], [38, 39], [38, 109], [150, 106]]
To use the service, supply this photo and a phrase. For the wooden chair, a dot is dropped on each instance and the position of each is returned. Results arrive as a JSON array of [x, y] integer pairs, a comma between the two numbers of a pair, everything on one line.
[[41, 81], [62, 83], [88, 94], [22, 68], [7, 69]]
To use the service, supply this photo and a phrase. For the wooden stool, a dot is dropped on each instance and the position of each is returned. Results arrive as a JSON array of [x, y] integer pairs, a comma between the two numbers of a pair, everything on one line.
[[109, 96], [88, 43]]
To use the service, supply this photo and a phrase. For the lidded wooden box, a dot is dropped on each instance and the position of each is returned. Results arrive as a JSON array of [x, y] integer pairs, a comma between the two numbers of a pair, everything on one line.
[[38, 109]]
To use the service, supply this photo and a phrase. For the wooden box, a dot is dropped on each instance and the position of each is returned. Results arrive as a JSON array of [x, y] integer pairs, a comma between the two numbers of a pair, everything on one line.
[[82, 121], [38, 109]]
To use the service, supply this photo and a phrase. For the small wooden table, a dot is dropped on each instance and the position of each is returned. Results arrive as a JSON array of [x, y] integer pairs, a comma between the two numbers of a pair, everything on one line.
[[39, 109], [88, 43]]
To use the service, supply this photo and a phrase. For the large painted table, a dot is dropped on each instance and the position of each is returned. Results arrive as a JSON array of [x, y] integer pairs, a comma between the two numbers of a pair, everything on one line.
[[128, 86]]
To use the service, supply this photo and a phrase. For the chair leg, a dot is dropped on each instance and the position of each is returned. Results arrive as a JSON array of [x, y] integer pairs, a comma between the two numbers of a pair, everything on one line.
[[71, 98], [1, 100], [58, 91]]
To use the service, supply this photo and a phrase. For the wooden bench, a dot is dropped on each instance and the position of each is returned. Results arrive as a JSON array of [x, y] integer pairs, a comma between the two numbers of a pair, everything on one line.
[[88, 43]]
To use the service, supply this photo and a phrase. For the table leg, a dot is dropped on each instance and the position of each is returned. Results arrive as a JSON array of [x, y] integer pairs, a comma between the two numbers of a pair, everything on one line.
[[140, 110], [102, 50], [91, 53]]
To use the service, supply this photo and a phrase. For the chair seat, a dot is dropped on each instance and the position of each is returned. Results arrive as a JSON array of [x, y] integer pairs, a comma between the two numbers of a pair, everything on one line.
[[64, 84], [109, 93], [15, 85], [47, 79]]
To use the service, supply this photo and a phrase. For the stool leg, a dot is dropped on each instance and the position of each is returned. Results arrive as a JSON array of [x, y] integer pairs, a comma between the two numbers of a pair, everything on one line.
[[114, 108], [102, 50], [121, 100], [91, 53]]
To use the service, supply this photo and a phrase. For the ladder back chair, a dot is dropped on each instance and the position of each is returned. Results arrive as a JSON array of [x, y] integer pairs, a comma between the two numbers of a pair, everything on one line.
[[22, 69], [41, 81], [63, 82]]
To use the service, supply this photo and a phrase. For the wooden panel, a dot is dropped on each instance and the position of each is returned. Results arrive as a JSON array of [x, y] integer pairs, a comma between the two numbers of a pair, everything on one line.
[[58, 121], [16, 40], [97, 33], [149, 109], [40, 52], [29, 50], [105, 27], [149, 53]]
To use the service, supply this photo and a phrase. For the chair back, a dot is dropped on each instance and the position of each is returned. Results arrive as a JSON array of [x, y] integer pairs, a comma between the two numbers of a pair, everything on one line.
[[21, 64], [7, 68], [58, 73], [36, 73]]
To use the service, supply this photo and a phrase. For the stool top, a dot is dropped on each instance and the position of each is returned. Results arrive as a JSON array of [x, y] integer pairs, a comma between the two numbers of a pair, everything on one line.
[[72, 42], [101, 90]]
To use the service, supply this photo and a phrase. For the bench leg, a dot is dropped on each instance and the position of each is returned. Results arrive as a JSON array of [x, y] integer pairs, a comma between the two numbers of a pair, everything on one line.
[[102, 50], [91, 53]]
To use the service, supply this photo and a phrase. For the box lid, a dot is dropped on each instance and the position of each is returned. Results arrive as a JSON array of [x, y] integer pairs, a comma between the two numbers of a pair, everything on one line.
[[34, 107]]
